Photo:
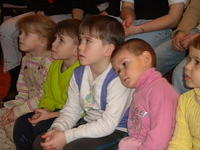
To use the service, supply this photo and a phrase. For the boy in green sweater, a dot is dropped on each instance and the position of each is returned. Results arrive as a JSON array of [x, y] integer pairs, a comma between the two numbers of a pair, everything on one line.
[[64, 50]]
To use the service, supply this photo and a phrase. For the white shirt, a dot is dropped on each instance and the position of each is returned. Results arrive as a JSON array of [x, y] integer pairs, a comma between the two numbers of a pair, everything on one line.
[[169, 1], [100, 123]]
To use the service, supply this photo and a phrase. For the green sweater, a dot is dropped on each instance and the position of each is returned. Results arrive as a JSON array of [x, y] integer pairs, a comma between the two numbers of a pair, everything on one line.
[[56, 86]]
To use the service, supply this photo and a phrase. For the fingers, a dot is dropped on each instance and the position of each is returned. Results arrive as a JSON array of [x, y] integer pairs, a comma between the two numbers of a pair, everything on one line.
[[47, 134]]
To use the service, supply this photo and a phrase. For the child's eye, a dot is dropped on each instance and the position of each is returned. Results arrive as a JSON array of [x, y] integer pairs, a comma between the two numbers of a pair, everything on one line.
[[124, 64], [197, 62]]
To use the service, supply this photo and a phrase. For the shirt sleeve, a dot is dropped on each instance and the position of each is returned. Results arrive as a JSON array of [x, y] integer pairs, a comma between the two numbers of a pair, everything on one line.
[[182, 139], [22, 87], [190, 18], [162, 111], [130, 1], [177, 1], [118, 102]]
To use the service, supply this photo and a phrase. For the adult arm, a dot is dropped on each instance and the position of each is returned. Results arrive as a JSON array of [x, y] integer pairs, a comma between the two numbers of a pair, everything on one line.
[[165, 22]]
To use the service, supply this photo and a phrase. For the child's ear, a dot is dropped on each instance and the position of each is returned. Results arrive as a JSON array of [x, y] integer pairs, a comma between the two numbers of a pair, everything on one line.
[[75, 51], [110, 49], [147, 59]]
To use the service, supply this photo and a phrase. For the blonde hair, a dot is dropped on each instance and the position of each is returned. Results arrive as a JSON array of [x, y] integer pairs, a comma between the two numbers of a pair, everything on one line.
[[40, 24]]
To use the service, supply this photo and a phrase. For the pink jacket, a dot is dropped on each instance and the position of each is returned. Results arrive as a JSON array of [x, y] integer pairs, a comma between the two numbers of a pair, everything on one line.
[[152, 114]]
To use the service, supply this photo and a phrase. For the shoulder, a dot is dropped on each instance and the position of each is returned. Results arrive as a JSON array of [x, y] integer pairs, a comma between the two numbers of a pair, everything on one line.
[[187, 97]]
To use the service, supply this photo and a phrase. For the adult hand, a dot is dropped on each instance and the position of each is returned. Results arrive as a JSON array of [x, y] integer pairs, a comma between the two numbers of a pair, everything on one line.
[[188, 40], [177, 41]]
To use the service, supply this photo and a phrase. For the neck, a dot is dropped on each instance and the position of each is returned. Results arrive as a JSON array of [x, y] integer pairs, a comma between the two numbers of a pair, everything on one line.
[[100, 67], [68, 63], [38, 52]]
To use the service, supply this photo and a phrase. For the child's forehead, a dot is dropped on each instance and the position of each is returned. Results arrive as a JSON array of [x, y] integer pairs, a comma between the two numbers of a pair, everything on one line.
[[89, 35]]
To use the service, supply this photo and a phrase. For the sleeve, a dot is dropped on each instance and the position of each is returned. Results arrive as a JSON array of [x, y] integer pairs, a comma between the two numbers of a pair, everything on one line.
[[181, 139], [118, 102], [190, 18], [27, 106], [162, 113], [130, 1], [22, 87], [47, 100], [30, 104], [177, 1], [71, 111]]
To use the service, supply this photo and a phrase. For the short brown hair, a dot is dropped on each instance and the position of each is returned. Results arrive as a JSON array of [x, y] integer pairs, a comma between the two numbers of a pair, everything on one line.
[[105, 28], [40, 24], [137, 47], [69, 27], [196, 42]]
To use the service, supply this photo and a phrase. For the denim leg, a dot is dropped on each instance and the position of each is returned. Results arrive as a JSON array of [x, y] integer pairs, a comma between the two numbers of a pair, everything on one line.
[[177, 77], [167, 56]]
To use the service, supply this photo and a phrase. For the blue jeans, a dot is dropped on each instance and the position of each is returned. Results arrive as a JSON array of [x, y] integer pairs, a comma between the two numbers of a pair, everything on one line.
[[177, 77], [167, 56]]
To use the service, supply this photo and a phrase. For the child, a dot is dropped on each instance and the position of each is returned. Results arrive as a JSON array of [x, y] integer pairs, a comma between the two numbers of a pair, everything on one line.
[[187, 131], [65, 51], [94, 116], [152, 112], [37, 34]]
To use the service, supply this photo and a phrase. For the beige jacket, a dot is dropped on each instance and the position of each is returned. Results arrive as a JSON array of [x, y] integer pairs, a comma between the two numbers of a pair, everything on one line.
[[191, 17]]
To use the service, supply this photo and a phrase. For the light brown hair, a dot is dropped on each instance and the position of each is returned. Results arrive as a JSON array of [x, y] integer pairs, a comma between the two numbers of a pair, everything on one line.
[[105, 28], [137, 47], [69, 27], [39, 24]]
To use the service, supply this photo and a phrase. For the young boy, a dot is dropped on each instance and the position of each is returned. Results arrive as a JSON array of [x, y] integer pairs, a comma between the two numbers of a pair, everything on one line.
[[64, 50], [152, 112], [95, 114]]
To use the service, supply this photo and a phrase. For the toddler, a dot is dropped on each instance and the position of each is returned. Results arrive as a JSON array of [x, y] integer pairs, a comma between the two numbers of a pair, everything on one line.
[[152, 112]]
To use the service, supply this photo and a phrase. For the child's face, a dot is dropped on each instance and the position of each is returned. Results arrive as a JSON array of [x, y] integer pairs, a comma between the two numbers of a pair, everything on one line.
[[31, 42], [192, 68], [64, 47], [129, 67], [91, 50]]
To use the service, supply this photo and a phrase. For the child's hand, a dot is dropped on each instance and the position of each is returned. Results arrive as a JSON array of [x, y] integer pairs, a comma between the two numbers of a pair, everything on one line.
[[40, 114], [8, 118], [54, 139]]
